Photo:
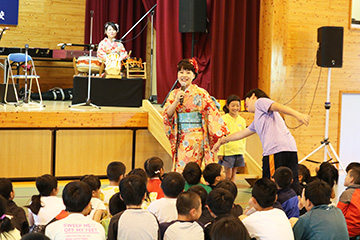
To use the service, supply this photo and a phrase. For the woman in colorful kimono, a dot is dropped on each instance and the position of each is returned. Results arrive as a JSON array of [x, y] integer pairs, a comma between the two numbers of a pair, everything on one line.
[[192, 122]]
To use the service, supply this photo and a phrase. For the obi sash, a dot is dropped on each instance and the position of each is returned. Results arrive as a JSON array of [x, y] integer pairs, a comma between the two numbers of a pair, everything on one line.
[[190, 120]]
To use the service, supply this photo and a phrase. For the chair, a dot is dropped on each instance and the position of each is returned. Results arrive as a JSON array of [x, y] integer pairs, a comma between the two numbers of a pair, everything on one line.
[[19, 59]]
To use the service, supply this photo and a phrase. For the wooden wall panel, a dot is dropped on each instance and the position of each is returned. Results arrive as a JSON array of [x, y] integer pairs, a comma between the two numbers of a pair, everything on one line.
[[25, 153], [44, 24], [80, 152], [298, 27]]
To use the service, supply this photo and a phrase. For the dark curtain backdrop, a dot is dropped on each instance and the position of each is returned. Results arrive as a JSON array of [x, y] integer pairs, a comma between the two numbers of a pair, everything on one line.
[[126, 14], [227, 53]]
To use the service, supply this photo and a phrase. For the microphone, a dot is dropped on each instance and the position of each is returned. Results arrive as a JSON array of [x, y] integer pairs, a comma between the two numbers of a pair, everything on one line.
[[183, 87], [120, 41]]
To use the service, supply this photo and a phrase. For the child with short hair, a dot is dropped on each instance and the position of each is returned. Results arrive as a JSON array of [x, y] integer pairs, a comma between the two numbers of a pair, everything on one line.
[[134, 222], [154, 168], [7, 229], [205, 214], [77, 199], [286, 196], [165, 208], [229, 228], [19, 216], [213, 173], [267, 220], [97, 206], [229, 185], [322, 221], [188, 205], [231, 154], [192, 174], [45, 206], [115, 171], [349, 201]]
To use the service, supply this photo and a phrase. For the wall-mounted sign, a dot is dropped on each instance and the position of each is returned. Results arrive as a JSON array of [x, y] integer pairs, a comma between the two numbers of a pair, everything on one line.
[[9, 12]]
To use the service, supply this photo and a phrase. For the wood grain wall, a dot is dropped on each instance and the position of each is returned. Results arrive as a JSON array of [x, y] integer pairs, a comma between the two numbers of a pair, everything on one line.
[[288, 45], [44, 24]]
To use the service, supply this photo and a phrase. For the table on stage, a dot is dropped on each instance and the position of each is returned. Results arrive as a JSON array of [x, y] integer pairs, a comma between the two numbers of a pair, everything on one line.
[[109, 91]]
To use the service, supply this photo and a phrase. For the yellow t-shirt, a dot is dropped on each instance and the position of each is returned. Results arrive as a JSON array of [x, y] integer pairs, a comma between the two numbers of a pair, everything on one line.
[[234, 147]]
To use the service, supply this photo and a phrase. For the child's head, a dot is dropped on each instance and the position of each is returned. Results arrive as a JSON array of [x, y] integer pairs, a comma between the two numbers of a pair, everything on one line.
[[172, 184], [304, 174], [140, 172], [220, 201], [47, 185], [115, 171], [154, 167], [132, 190], [252, 96], [213, 173], [116, 204], [229, 228], [199, 190], [352, 165], [328, 173], [5, 222], [352, 177], [188, 204], [34, 236], [94, 183], [318, 192], [283, 177], [6, 188], [228, 185], [264, 192], [76, 196], [192, 173], [233, 104]]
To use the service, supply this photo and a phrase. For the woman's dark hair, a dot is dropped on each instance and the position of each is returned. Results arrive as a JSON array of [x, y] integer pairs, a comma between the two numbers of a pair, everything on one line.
[[113, 25], [230, 99], [258, 93], [5, 222], [45, 184], [152, 167], [186, 65]]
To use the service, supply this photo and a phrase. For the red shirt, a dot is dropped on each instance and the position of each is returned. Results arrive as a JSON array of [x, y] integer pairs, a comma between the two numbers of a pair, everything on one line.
[[154, 185]]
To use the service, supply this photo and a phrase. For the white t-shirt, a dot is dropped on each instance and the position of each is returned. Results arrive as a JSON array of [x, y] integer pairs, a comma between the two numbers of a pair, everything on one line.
[[164, 209], [269, 225], [96, 204], [75, 226], [108, 192], [51, 207], [184, 231]]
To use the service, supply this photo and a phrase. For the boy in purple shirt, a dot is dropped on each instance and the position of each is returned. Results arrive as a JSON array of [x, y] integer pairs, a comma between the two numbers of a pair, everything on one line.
[[279, 146]]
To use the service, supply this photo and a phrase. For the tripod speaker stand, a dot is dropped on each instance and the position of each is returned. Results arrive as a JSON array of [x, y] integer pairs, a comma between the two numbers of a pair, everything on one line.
[[329, 55]]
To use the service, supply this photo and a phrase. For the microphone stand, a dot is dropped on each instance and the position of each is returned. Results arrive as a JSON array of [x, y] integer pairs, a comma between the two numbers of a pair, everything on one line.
[[172, 88], [88, 101]]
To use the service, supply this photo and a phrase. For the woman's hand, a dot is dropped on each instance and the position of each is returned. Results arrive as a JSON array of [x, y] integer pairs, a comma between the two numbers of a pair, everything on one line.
[[180, 95], [303, 118], [217, 145]]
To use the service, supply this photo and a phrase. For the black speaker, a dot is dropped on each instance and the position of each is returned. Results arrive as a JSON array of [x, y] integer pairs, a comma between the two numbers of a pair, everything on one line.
[[330, 51], [11, 94], [192, 16]]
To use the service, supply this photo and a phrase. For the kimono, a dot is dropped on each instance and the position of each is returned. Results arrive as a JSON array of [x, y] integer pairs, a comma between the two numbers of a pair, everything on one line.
[[194, 128], [115, 47]]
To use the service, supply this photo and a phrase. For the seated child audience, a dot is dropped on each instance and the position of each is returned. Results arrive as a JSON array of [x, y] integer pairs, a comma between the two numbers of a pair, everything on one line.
[[115, 171], [205, 214], [149, 197], [97, 206], [19, 216], [165, 208], [192, 174], [188, 205], [352, 165], [35, 236], [231, 187], [134, 222], [267, 222], [213, 173], [45, 206], [285, 194], [116, 204], [349, 202], [7, 228], [328, 173], [304, 176], [154, 168], [77, 199], [229, 228], [220, 202], [322, 221]]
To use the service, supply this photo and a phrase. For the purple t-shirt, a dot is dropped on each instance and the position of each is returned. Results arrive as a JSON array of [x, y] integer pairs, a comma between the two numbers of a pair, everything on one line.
[[274, 135]]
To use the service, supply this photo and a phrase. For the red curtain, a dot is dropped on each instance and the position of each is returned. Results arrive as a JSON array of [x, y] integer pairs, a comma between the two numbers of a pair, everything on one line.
[[126, 14]]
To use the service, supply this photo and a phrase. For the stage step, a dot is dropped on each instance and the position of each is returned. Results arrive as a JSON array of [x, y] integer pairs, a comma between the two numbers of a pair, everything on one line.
[[250, 178]]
